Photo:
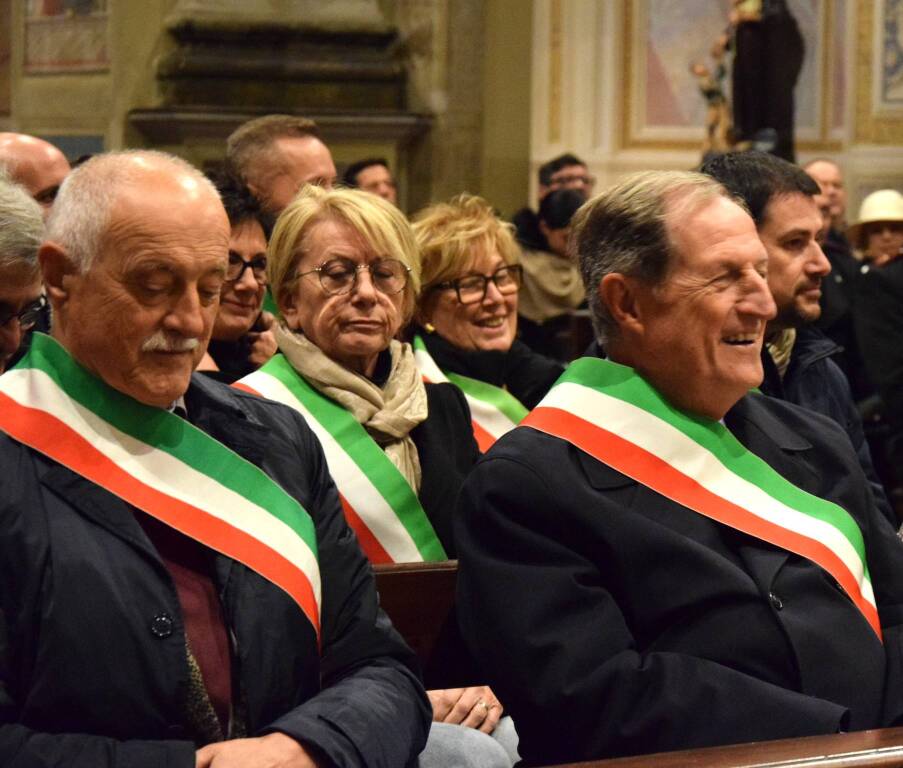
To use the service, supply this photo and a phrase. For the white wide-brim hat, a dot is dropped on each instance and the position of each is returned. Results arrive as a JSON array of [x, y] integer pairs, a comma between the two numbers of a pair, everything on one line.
[[883, 205]]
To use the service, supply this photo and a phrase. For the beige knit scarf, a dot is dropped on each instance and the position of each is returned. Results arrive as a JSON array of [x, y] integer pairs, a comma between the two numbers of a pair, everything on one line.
[[388, 413]]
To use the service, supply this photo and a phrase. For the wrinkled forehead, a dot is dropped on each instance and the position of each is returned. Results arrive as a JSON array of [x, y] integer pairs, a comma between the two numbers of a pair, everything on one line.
[[160, 214], [825, 172]]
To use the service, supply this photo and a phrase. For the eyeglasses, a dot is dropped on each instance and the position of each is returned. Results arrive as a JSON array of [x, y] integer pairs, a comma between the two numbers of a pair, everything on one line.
[[237, 267], [472, 288], [27, 317], [339, 276]]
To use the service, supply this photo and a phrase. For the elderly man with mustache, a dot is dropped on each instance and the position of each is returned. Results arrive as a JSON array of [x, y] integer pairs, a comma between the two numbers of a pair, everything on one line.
[[177, 583]]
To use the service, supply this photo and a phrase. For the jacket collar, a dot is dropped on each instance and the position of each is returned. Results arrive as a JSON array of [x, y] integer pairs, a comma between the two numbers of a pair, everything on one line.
[[756, 425]]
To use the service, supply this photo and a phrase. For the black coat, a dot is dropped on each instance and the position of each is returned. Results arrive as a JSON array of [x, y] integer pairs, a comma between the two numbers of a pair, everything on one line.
[[447, 451], [91, 676], [524, 373], [878, 320], [814, 381], [613, 621]]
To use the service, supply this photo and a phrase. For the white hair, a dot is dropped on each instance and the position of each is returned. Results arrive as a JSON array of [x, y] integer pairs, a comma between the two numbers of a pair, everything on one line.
[[81, 211], [21, 227]]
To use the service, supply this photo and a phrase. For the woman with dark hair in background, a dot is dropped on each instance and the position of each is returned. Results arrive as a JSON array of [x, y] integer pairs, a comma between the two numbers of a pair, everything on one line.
[[242, 340]]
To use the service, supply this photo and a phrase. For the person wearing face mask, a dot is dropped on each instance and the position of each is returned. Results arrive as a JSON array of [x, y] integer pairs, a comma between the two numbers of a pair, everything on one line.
[[343, 269], [552, 285], [467, 316], [242, 337]]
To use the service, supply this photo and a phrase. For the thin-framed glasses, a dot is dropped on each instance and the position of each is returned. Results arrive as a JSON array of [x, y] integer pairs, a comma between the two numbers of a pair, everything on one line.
[[237, 267], [27, 316], [472, 288], [338, 276]]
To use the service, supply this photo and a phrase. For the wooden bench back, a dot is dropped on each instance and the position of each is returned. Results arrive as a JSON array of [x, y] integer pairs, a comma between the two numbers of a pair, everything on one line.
[[418, 598], [865, 749]]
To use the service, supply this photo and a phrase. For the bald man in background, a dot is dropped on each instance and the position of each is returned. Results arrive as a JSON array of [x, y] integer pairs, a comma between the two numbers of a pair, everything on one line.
[[34, 163]]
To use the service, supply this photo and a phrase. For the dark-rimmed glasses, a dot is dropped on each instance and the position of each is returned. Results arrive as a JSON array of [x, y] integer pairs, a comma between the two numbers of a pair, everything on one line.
[[471, 289], [338, 276], [237, 267], [27, 316]]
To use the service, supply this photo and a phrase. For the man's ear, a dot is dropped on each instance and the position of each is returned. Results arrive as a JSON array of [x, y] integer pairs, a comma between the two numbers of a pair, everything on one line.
[[56, 269], [618, 293]]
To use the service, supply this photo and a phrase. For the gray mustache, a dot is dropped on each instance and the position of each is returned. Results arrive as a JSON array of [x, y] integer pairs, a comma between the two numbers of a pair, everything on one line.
[[164, 342]]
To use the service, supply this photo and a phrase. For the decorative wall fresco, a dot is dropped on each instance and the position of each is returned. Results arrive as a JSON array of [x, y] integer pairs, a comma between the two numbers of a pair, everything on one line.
[[891, 47], [66, 36], [663, 104]]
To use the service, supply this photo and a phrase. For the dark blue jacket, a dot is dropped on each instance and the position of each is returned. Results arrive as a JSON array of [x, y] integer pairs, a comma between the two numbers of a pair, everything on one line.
[[814, 381], [86, 682]]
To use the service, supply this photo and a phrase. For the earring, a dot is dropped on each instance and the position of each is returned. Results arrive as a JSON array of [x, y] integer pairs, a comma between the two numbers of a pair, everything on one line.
[[429, 327]]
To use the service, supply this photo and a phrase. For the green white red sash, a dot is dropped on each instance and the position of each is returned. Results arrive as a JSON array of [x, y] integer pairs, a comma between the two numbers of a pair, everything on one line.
[[164, 466], [493, 410], [380, 505], [608, 411]]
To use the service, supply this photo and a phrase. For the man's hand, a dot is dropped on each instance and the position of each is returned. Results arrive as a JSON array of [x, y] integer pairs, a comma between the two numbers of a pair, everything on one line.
[[475, 707], [263, 341], [275, 750]]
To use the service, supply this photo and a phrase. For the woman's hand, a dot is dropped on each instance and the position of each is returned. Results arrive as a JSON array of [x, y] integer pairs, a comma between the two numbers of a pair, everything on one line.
[[475, 707], [263, 340]]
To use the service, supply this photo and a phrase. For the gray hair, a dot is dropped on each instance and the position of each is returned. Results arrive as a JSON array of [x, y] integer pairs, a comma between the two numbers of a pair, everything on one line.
[[624, 230], [21, 227], [81, 211]]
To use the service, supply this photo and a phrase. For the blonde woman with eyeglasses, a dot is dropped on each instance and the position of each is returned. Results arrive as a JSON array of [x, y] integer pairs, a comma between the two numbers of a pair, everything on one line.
[[466, 330], [343, 269]]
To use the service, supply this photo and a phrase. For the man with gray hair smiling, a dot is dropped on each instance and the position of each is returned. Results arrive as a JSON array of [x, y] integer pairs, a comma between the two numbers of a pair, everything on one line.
[[179, 586], [21, 230], [705, 565]]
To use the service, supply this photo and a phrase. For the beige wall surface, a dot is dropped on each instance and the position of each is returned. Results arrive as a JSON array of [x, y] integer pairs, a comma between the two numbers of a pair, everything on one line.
[[469, 64], [92, 103], [505, 165]]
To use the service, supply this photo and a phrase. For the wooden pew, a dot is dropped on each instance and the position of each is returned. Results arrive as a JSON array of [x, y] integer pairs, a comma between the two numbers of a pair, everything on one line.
[[418, 598], [864, 749]]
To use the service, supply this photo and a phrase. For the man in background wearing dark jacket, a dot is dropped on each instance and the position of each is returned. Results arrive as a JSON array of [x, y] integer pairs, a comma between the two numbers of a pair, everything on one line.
[[797, 356]]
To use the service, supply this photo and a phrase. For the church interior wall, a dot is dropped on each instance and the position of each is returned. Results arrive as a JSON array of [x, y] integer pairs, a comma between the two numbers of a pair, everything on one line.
[[506, 84], [611, 83]]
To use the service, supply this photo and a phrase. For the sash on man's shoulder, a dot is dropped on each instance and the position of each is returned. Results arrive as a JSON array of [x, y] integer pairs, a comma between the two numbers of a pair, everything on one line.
[[163, 465], [610, 412]]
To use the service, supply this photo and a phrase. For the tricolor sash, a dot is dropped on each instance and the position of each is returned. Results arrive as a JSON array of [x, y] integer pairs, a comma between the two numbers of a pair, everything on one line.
[[494, 411], [610, 412], [164, 466], [380, 505]]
